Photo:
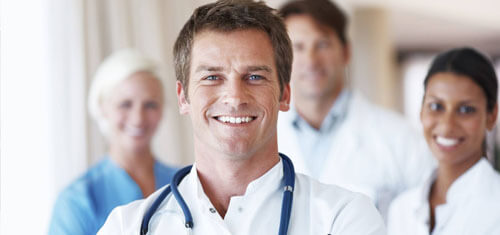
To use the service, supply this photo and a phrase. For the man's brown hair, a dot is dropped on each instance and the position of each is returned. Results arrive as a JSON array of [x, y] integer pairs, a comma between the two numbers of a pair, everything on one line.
[[324, 12], [231, 15]]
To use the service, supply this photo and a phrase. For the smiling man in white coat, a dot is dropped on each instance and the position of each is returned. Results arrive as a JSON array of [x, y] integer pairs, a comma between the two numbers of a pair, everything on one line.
[[233, 64], [333, 133]]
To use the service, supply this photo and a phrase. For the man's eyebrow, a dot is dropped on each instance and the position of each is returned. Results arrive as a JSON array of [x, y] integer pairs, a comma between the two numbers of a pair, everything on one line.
[[259, 68], [208, 68], [254, 68]]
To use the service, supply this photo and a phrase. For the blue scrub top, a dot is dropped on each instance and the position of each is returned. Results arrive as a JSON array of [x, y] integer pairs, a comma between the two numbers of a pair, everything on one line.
[[82, 208]]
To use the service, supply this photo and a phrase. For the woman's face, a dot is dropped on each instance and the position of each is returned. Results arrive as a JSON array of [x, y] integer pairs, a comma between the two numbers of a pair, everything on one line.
[[133, 110], [455, 118]]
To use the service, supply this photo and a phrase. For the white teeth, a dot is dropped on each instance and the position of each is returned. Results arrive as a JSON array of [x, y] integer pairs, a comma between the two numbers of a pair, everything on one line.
[[447, 142], [235, 120]]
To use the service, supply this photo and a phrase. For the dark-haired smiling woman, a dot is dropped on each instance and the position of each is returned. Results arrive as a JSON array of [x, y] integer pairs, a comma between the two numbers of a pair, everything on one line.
[[463, 194]]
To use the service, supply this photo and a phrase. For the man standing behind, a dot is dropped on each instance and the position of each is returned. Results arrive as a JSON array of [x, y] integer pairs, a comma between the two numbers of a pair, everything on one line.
[[233, 64], [332, 133]]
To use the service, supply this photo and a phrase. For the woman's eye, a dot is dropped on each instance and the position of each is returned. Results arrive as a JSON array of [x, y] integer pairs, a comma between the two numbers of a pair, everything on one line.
[[464, 109], [435, 106]]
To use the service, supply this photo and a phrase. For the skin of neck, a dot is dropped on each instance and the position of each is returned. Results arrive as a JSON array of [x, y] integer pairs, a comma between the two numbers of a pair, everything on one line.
[[314, 109], [223, 176], [138, 164]]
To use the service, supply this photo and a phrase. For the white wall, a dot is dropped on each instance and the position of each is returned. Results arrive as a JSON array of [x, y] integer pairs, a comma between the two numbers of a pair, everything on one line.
[[26, 186]]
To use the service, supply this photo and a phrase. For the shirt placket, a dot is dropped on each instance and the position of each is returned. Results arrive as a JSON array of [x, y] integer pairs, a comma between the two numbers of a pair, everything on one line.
[[443, 214], [209, 211]]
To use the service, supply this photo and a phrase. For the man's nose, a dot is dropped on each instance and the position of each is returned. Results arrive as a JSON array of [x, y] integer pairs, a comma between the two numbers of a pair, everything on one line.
[[236, 92], [310, 58]]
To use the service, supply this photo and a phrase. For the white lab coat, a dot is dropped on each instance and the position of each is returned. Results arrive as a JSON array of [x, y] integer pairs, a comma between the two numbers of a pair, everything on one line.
[[472, 206], [317, 209], [374, 151]]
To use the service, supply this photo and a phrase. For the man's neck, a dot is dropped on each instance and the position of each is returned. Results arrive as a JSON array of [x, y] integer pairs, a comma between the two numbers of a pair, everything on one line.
[[315, 109], [223, 177]]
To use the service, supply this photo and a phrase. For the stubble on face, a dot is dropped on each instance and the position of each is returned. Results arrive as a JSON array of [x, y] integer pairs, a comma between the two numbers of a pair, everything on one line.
[[234, 93]]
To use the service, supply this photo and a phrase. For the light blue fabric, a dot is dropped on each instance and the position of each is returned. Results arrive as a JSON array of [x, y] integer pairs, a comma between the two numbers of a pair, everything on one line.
[[82, 207], [317, 143]]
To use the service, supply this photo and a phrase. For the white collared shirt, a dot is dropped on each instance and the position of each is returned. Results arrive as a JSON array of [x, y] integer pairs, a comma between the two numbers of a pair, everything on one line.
[[372, 151], [317, 209], [472, 206]]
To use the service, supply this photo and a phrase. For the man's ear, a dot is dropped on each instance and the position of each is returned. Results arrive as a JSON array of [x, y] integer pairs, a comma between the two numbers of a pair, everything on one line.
[[182, 100], [285, 98]]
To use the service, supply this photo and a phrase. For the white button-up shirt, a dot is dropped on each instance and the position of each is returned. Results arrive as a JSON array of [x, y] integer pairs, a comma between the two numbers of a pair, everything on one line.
[[371, 150], [317, 209], [472, 206]]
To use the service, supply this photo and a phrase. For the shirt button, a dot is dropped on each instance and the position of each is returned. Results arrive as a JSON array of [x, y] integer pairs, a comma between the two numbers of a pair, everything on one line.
[[240, 209], [212, 210]]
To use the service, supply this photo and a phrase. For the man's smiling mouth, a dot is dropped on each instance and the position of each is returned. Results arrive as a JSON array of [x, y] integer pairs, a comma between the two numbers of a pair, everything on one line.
[[235, 120]]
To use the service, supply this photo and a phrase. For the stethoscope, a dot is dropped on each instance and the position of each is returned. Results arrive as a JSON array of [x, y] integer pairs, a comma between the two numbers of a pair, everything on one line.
[[286, 206]]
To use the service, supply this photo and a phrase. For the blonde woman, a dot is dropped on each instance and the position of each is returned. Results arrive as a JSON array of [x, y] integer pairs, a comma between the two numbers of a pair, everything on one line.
[[126, 100]]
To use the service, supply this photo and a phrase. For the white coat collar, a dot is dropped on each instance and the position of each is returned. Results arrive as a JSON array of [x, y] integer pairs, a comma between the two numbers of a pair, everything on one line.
[[266, 184], [471, 182]]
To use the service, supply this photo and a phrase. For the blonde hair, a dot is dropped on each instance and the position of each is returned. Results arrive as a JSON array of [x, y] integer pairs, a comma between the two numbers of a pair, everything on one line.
[[114, 69]]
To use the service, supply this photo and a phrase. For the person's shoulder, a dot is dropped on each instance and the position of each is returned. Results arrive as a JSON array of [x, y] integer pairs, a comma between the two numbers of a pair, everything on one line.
[[334, 196], [164, 169], [128, 217], [411, 195], [493, 175], [321, 190], [74, 209], [379, 124], [373, 112], [87, 180], [487, 185], [401, 213], [346, 211], [405, 202]]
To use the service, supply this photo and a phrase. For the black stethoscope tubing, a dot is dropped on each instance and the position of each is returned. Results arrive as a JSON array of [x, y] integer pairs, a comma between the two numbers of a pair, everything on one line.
[[286, 206]]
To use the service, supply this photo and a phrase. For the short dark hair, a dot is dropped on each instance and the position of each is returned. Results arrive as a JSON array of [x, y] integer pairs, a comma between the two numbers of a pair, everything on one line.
[[231, 15], [472, 64], [323, 11]]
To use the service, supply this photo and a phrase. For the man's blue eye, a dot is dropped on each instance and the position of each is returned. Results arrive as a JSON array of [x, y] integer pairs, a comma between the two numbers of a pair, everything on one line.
[[255, 77], [211, 77]]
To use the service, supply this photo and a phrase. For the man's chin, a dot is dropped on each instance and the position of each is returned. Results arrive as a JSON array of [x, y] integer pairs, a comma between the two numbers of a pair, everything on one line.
[[237, 151]]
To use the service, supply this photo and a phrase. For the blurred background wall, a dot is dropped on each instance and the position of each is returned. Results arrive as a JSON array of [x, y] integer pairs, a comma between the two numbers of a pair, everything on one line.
[[50, 50]]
